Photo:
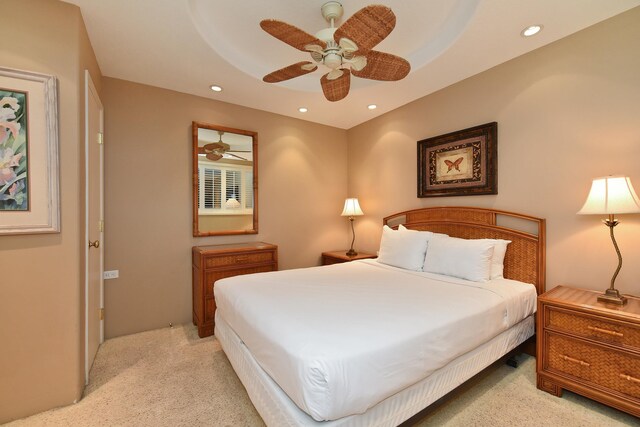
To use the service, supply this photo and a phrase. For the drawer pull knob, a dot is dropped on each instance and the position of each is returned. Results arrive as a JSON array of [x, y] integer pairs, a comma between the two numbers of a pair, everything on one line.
[[630, 378], [578, 361], [605, 331]]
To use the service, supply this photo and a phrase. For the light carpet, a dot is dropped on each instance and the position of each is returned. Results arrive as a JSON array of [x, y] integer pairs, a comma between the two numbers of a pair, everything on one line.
[[170, 377]]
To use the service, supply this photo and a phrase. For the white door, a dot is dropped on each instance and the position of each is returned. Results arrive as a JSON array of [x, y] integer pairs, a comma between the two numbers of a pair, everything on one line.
[[94, 224]]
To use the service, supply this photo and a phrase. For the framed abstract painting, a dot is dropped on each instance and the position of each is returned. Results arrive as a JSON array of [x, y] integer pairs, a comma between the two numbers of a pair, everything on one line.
[[461, 163], [29, 189]]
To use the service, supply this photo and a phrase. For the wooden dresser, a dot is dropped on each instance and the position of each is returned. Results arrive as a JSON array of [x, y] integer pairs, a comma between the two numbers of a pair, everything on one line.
[[215, 262], [590, 348], [336, 257]]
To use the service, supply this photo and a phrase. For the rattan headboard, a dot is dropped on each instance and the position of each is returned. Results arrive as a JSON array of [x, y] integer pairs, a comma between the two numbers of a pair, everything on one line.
[[525, 258]]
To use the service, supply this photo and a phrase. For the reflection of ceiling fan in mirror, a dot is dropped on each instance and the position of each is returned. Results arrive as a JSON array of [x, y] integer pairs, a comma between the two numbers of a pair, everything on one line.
[[217, 150]]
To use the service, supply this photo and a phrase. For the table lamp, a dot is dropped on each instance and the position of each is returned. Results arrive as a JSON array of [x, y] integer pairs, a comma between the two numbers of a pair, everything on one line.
[[352, 209], [611, 195]]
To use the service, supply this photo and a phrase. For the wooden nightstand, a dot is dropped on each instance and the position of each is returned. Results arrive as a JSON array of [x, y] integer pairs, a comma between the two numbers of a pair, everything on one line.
[[590, 348], [215, 262], [336, 257]]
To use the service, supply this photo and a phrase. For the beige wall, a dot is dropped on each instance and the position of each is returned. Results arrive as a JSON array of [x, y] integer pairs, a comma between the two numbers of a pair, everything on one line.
[[566, 113], [302, 182], [41, 290]]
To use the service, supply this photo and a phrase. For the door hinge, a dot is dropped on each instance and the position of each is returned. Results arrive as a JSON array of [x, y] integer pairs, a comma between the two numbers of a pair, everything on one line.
[[100, 138], [101, 225], [101, 310]]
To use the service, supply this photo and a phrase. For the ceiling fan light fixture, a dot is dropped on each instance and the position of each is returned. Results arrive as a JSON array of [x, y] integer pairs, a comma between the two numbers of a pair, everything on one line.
[[216, 88], [314, 48], [333, 60], [348, 45], [326, 34], [531, 30], [358, 63], [334, 74]]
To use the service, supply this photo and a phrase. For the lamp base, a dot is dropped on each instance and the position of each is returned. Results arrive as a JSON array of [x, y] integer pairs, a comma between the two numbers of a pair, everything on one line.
[[612, 296], [351, 252]]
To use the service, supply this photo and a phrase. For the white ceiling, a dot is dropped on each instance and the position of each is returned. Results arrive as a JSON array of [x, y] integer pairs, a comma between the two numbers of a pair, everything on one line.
[[187, 45]]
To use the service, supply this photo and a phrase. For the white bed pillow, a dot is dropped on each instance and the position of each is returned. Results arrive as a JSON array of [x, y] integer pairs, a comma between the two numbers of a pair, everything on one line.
[[402, 249], [430, 233], [466, 259], [497, 261]]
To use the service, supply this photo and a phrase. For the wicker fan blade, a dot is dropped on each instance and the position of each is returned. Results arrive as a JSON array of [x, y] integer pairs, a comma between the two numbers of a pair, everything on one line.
[[383, 66], [213, 156], [293, 36], [237, 157], [335, 90], [367, 27], [286, 73]]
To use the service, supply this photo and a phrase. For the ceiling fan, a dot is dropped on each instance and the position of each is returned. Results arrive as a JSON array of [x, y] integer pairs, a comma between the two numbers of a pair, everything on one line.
[[345, 50], [217, 150]]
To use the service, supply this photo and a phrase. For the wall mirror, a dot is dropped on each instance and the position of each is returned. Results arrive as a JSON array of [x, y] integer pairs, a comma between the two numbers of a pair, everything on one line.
[[225, 180]]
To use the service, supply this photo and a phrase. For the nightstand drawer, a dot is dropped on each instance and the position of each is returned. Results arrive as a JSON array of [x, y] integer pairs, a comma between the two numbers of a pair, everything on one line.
[[601, 367], [240, 259], [593, 327]]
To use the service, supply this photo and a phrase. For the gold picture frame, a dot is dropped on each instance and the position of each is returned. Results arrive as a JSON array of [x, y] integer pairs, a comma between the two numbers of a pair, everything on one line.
[[461, 163]]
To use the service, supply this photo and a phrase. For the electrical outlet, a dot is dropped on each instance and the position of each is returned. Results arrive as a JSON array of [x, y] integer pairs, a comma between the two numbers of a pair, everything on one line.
[[111, 274]]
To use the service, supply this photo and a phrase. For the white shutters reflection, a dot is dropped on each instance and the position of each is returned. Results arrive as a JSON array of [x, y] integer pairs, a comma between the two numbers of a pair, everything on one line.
[[212, 188], [233, 196], [225, 190]]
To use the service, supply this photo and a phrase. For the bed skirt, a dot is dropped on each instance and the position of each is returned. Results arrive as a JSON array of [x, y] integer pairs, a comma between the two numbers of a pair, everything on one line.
[[276, 409]]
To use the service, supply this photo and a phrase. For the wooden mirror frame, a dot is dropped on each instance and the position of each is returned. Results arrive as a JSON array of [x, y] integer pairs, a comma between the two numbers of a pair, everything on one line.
[[254, 135]]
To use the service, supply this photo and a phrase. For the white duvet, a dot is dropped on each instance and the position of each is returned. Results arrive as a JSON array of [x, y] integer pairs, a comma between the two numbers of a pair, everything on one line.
[[338, 339]]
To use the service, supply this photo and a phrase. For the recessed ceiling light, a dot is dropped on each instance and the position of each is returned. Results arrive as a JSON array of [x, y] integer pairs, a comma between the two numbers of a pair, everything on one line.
[[216, 88], [531, 30], [302, 110], [372, 106]]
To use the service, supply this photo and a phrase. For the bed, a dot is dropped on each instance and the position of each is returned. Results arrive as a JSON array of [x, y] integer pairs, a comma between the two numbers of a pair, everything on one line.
[[366, 343]]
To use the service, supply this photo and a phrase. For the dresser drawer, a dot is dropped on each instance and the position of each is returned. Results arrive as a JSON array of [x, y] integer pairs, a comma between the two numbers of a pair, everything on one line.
[[611, 332], [616, 372], [212, 276], [240, 259], [214, 262]]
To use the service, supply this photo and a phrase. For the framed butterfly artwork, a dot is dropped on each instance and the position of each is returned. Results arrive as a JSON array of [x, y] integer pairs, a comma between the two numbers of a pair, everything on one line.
[[461, 163]]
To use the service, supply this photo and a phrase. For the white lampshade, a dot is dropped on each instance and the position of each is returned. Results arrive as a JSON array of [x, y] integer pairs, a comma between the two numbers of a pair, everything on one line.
[[352, 208], [611, 195], [232, 203]]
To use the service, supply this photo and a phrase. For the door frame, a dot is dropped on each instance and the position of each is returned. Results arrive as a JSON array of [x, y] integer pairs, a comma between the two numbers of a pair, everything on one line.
[[90, 90]]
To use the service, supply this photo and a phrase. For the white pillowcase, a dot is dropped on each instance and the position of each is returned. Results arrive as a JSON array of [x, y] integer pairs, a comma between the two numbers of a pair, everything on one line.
[[430, 233], [497, 261], [466, 259], [403, 249]]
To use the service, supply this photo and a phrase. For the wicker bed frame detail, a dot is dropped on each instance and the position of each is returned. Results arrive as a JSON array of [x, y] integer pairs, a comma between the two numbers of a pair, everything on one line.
[[525, 257]]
